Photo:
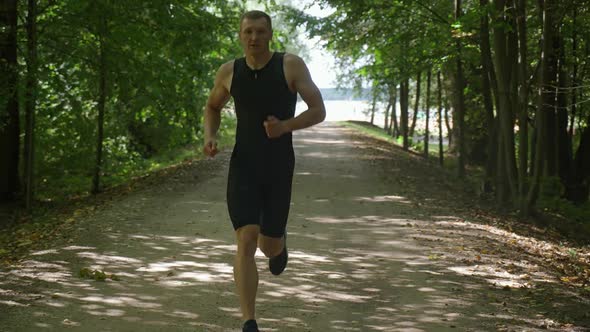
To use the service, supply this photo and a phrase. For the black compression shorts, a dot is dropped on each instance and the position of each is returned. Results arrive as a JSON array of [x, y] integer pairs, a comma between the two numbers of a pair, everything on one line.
[[260, 199]]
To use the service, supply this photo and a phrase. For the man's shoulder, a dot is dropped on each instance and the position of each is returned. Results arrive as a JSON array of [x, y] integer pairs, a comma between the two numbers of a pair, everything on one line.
[[224, 74], [290, 58], [294, 65], [226, 68]]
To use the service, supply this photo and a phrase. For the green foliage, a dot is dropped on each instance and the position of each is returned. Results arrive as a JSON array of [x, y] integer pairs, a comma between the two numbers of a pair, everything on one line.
[[573, 212], [551, 200], [551, 187], [126, 164], [161, 57]]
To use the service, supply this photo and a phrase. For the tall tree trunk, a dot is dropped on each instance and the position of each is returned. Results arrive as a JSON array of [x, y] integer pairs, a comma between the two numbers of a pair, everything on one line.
[[564, 144], [513, 55], [101, 105], [580, 188], [386, 122], [9, 117], [393, 101], [551, 142], [487, 71], [507, 95], [575, 88], [448, 122], [523, 97], [374, 103], [31, 102], [440, 128], [459, 108], [404, 103], [546, 100], [427, 125], [502, 186], [416, 104]]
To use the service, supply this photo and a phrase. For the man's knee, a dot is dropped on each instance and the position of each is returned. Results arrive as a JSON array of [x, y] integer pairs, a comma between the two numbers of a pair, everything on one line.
[[247, 237], [271, 247]]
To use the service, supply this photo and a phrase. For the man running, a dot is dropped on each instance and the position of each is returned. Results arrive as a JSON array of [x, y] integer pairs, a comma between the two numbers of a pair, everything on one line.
[[264, 86]]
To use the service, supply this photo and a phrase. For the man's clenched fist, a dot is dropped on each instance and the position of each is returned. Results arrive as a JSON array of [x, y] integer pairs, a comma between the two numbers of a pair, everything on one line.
[[274, 127], [210, 148]]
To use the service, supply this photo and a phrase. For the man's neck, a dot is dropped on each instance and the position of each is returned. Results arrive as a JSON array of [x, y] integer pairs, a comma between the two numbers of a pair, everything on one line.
[[257, 61]]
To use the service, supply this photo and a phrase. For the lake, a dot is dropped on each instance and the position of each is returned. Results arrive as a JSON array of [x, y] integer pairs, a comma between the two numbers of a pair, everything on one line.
[[360, 110]]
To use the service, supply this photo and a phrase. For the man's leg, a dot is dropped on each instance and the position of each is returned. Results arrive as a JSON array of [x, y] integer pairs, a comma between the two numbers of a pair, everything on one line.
[[245, 271], [271, 246], [276, 205], [276, 251]]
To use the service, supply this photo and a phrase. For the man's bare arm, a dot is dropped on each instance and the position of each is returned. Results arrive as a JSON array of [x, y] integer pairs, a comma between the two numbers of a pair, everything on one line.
[[303, 84], [217, 99]]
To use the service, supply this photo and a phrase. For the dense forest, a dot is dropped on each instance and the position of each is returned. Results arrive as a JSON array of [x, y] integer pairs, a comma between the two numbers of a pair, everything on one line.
[[95, 92], [512, 74]]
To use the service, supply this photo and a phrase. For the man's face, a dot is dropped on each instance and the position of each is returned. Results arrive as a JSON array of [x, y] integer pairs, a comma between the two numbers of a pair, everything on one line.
[[255, 35]]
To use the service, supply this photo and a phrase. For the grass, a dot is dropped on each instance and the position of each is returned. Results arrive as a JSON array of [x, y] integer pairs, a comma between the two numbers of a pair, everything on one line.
[[378, 132]]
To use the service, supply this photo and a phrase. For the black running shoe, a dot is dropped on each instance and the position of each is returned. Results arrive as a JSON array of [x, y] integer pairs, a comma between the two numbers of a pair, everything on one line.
[[278, 263], [250, 326]]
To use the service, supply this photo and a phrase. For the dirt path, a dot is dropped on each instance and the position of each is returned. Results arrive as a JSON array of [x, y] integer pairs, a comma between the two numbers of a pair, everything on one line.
[[377, 243]]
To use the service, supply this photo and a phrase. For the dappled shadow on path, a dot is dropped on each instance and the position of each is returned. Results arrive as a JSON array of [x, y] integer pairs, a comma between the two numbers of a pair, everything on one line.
[[365, 255]]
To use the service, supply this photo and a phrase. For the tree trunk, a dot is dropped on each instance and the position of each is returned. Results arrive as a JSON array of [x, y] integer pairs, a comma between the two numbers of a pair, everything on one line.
[[513, 56], [551, 152], [577, 191], [101, 105], [502, 187], [393, 101], [416, 105], [507, 95], [487, 70], [386, 122], [459, 100], [427, 125], [580, 188], [440, 128], [546, 100], [574, 86], [373, 106], [404, 101], [448, 123], [564, 144], [31, 102], [9, 116], [523, 97]]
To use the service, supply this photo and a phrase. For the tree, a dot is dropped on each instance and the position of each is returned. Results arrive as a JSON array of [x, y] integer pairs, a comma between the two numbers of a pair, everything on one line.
[[110, 93], [490, 62], [489, 89], [459, 98], [547, 79], [30, 102], [427, 111], [9, 118], [416, 105], [440, 115]]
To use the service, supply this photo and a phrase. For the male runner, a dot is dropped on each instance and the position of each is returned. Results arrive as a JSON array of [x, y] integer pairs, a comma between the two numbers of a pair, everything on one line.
[[264, 86]]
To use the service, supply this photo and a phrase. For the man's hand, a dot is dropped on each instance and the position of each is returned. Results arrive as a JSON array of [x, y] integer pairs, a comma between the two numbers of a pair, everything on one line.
[[210, 148], [274, 127]]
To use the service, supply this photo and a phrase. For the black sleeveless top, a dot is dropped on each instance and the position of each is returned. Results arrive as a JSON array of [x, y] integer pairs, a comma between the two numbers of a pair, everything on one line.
[[258, 94]]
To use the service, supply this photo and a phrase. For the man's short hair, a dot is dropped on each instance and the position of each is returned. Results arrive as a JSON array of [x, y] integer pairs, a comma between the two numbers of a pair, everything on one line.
[[254, 15]]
